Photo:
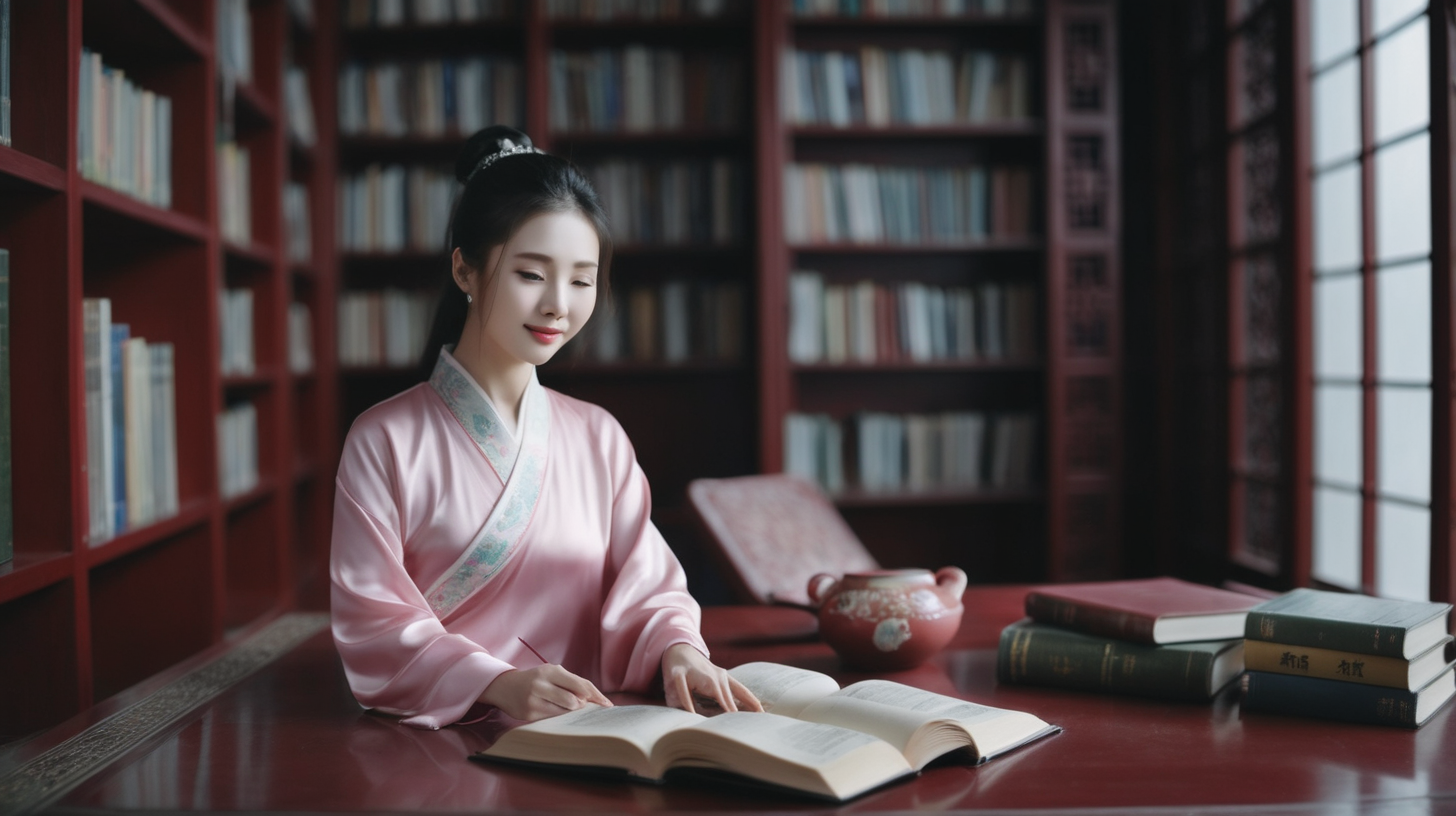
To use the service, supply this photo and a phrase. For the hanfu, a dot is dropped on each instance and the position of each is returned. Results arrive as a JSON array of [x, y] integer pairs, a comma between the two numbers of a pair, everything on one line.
[[458, 540]]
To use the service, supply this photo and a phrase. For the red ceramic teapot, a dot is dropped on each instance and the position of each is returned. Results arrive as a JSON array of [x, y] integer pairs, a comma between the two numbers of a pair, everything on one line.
[[887, 620]]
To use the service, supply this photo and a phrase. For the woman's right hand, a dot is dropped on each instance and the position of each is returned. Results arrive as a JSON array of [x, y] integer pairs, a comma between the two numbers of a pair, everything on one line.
[[540, 692]]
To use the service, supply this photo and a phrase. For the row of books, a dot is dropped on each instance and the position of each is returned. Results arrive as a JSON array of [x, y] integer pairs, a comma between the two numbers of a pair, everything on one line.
[[914, 8], [393, 208], [603, 10], [234, 40], [390, 13], [880, 87], [639, 89], [236, 327], [298, 102], [891, 453], [237, 449], [124, 133], [868, 322], [384, 328], [235, 310], [131, 425], [298, 218], [429, 97], [1306, 652], [867, 204], [675, 322], [234, 200], [697, 201]]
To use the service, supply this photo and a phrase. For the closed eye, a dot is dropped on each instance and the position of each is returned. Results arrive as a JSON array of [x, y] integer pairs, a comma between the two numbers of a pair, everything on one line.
[[583, 283], [526, 274]]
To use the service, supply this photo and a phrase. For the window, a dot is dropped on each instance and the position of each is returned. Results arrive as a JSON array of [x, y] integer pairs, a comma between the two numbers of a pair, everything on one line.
[[1369, 171]]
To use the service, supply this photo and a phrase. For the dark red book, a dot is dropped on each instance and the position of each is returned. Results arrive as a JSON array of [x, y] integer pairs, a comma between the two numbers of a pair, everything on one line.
[[1145, 610]]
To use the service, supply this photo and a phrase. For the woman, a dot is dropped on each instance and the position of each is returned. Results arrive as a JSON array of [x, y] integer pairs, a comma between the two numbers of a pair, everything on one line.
[[492, 539]]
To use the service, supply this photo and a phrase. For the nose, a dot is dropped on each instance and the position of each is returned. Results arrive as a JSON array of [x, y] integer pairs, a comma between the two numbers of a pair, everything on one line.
[[553, 301]]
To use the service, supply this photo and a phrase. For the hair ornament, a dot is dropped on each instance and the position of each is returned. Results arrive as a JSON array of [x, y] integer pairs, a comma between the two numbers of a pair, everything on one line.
[[508, 148]]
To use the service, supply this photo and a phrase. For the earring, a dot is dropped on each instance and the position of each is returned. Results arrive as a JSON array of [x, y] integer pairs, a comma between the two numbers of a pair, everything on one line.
[[468, 298]]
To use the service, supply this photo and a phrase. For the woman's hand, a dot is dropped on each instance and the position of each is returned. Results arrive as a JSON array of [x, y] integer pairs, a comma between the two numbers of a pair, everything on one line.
[[541, 692], [685, 672]]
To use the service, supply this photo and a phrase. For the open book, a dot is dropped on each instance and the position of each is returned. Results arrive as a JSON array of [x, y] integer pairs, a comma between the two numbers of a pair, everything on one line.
[[814, 737]]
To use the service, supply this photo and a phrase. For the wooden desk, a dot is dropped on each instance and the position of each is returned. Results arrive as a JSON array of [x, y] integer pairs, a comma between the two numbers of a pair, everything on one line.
[[289, 737]]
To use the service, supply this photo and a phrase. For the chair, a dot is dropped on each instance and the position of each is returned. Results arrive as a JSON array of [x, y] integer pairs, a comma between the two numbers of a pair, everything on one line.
[[773, 533]]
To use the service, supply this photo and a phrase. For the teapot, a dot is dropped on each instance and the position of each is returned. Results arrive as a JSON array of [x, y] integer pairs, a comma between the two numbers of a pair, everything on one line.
[[887, 620]]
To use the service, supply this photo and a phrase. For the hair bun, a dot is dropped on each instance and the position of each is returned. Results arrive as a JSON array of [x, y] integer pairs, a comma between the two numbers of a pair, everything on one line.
[[485, 142]]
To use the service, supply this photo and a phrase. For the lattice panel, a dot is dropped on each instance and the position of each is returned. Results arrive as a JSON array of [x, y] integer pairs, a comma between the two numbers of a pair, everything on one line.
[[1090, 428], [1086, 66], [1088, 307], [1263, 219], [1086, 183], [1264, 423], [1263, 310], [1263, 526], [1258, 78]]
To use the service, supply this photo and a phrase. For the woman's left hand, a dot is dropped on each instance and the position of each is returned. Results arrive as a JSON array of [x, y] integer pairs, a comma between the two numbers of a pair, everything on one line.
[[685, 672]]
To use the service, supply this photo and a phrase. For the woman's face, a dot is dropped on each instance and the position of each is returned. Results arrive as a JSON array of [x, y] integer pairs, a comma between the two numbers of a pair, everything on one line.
[[541, 288]]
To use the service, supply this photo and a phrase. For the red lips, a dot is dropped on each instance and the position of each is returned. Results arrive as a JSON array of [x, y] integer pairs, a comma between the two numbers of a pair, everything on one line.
[[544, 335]]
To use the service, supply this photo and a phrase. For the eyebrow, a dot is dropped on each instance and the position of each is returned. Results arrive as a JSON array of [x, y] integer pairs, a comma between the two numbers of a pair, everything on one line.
[[536, 256]]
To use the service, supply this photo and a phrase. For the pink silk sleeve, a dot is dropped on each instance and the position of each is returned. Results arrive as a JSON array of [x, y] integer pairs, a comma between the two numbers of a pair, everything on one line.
[[647, 607], [397, 655]]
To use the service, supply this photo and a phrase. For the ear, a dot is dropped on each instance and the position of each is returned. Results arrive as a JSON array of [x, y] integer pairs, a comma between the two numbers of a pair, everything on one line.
[[461, 270]]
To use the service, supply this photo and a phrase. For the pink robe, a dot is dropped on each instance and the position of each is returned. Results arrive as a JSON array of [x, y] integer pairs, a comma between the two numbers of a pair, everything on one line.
[[433, 593]]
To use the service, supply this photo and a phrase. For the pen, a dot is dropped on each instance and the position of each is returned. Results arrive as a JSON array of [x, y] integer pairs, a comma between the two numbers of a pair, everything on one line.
[[533, 649]]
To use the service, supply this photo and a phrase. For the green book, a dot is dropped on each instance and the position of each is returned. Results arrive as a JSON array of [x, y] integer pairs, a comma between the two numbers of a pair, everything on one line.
[[1349, 623], [7, 514], [1040, 654]]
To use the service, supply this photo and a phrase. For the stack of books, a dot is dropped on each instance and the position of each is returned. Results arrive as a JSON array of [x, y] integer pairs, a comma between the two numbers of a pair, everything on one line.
[[1152, 637], [1349, 657]]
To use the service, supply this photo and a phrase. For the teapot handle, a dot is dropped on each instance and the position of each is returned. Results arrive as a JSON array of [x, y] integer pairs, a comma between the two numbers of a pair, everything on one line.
[[819, 587], [952, 580]]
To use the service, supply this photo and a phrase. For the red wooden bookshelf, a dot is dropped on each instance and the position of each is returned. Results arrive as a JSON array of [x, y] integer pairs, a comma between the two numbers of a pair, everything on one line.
[[1067, 526], [83, 620]]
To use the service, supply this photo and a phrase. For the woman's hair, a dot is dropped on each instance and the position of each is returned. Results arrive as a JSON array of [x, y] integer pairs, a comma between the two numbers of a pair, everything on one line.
[[501, 192]]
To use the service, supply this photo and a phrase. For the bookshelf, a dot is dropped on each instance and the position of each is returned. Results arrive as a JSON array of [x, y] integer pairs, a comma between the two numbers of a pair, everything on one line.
[[683, 387], [1031, 159], [85, 617], [1057, 127]]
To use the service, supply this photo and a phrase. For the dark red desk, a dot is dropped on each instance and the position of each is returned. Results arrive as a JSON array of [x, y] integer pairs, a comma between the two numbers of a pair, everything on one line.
[[291, 738]]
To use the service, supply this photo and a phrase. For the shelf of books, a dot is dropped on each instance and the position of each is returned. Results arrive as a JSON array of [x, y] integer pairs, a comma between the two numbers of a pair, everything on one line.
[[151, 283], [947, 367], [652, 101]]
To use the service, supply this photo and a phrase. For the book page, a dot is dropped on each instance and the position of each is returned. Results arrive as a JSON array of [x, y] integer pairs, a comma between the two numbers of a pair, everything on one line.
[[784, 689], [937, 723], [588, 736], [811, 757], [927, 703], [805, 743], [893, 724]]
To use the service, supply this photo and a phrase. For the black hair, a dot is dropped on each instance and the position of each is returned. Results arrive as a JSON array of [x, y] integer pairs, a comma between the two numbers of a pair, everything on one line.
[[494, 202]]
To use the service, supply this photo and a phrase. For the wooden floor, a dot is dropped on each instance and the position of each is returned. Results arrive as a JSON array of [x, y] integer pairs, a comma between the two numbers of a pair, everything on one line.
[[272, 727]]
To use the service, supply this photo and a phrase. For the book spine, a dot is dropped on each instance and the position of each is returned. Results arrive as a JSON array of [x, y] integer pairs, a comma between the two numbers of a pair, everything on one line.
[[1330, 664], [1041, 656], [1094, 620], [1328, 699], [1343, 636]]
